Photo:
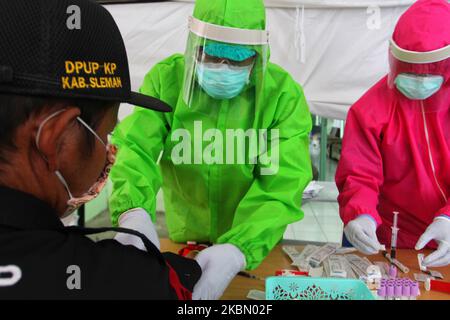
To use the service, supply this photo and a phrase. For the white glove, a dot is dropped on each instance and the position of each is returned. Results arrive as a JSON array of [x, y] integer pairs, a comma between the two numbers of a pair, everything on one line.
[[439, 231], [138, 220], [220, 264], [361, 232]]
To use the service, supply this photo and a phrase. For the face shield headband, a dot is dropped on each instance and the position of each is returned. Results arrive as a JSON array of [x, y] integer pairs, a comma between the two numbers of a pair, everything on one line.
[[419, 57], [228, 34]]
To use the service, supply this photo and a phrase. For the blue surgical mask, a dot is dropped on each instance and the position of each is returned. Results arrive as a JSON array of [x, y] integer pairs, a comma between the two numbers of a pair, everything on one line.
[[416, 87], [221, 81]]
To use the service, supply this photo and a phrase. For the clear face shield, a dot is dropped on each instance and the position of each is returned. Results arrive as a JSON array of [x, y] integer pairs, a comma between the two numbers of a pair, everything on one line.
[[223, 64], [420, 76]]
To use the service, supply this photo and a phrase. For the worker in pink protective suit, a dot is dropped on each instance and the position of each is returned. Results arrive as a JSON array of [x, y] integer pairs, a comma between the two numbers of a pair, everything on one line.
[[396, 149]]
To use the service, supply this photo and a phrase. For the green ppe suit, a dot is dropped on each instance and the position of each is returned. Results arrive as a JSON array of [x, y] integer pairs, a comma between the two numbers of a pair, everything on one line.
[[216, 202]]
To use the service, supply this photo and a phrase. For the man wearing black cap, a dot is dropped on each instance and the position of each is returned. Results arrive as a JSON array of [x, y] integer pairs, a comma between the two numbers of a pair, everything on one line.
[[63, 74]]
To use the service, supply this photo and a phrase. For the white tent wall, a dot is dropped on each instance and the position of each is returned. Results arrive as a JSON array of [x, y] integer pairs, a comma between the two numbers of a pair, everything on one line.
[[335, 49], [329, 3], [344, 54], [344, 50]]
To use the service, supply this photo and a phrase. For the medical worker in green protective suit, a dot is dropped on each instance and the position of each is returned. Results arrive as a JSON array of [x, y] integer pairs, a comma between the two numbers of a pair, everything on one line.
[[232, 158]]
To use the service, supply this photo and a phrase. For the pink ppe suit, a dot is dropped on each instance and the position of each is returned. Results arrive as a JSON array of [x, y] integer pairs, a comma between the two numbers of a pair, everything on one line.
[[396, 151]]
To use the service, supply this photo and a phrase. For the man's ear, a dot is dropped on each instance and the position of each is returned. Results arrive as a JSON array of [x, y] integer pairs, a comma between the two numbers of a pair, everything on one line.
[[52, 134]]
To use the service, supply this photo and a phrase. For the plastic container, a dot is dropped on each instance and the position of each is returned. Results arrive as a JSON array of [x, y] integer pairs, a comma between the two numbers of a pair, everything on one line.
[[306, 288]]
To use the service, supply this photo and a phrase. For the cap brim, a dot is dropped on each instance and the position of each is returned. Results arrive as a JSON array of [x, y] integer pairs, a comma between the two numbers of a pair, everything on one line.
[[148, 102]]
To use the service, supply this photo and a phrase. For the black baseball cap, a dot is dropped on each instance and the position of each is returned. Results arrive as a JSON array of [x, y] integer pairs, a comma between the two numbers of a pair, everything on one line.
[[67, 49]]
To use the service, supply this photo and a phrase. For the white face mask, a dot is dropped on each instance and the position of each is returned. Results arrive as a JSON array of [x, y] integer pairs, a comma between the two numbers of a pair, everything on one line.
[[75, 202], [417, 87]]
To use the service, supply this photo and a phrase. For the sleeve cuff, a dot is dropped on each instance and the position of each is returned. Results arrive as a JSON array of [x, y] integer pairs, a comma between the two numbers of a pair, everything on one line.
[[349, 216], [444, 212], [443, 216], [241, 248]]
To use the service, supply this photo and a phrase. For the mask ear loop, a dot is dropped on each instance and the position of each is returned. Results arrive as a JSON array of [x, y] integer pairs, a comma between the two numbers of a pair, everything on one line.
[[41, 126], [91, 130], [63, 181], [38, 135]]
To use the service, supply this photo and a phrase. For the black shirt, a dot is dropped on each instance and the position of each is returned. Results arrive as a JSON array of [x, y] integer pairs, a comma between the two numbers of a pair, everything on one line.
[[62, 263]]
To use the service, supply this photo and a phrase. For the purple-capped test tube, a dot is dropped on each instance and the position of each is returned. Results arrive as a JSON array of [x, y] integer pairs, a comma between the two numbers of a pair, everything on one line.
[[414, 290], [390, 291], [406, 289], [393, 271], [382, 291], [398, 290]]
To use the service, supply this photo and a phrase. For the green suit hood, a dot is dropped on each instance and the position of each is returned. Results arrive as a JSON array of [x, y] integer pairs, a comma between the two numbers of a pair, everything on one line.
[[243, 14]]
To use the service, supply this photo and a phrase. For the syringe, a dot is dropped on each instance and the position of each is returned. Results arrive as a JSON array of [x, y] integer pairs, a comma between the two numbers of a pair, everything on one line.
[[394, 236]]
